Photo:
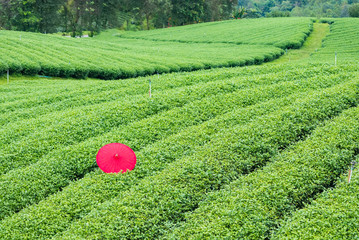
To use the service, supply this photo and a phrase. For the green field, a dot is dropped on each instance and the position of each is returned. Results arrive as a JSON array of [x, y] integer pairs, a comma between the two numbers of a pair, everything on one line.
[[250, 152]]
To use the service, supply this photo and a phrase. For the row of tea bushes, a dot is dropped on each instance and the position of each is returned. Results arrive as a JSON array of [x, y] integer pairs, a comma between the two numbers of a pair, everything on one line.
[[252, 207], [80, 197], [25, 135], [37, 93], [59, 57], [248, 76], [79, 158], [159, 202], [280, 32], [57, 212], [72, 126], [78, 93], [333, 215]]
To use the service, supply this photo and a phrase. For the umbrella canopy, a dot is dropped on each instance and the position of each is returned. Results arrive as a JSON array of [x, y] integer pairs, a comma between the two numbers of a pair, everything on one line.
[[114, 157]]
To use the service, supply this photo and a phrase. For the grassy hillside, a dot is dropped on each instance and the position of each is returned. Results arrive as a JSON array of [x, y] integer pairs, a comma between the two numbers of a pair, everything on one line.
[[236, 153]]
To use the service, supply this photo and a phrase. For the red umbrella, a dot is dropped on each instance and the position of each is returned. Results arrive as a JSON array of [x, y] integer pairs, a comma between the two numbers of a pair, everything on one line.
[[114, 157]]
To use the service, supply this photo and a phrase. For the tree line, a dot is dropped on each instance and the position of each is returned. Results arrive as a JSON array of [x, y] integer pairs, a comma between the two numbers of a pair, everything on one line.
[[299, 8], [48, 16], [75, 16]]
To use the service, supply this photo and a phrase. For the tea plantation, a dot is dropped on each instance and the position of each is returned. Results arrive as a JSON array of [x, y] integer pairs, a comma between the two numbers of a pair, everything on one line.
[[249, 152], [30, 53]]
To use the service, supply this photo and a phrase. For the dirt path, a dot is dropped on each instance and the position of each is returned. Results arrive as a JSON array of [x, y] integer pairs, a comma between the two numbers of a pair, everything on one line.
[[313, 42]]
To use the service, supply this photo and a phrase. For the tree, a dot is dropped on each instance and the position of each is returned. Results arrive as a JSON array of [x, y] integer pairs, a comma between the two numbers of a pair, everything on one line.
[[148, 10], [48, 13], [239, 13], [187, 11], [163, 13], [215, 10], [19, 15], [354, 10], [6, 14], [74, 10]]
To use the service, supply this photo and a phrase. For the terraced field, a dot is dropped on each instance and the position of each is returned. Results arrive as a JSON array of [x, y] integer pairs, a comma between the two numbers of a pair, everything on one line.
[[226, 153]]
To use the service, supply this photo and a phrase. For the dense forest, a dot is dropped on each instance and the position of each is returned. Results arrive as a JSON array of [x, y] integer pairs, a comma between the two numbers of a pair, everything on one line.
[[75, 16], [298, 8], [94, 15]]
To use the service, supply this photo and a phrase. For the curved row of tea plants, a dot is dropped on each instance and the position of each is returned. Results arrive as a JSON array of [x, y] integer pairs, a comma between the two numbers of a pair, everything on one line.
[[32, 142], [140, 132], [159, 202], [252, 207], [33, 102], [279, 32], [333, 215], [76, 200], [79, 93], [35, 106], [36, 87], [76, 125], [51, 91], [80, 197], [172, 97], [81, 58]]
